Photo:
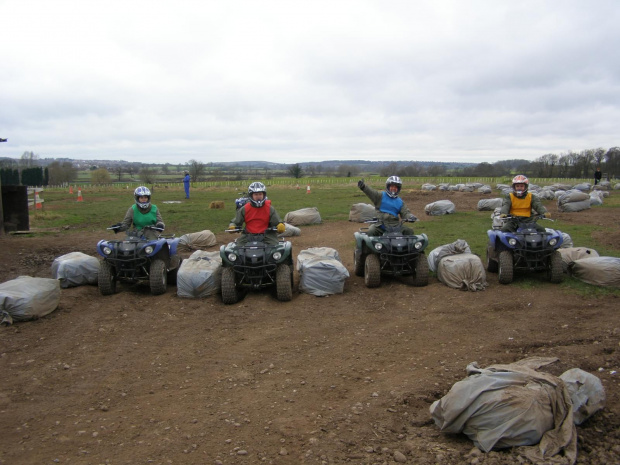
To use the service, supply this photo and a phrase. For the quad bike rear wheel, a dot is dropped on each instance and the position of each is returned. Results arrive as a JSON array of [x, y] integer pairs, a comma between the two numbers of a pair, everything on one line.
[[106, 278], [158, 277], [506, 269], [420, 278], [372, 271], [284, 283], [491, 264], [230, 293], [556, 271]]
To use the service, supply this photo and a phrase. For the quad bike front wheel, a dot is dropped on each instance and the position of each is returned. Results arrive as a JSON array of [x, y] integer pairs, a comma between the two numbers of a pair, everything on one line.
[[556, 271], [491, 264], [158, 277], [284, 283], [175, 264], [106, 278], [506, 269], [372, 271], [230, 293], [420, 278], [358, 263]]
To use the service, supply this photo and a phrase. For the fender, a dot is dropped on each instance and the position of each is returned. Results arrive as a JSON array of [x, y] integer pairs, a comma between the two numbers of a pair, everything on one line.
[[173, 244], [100, 245], [157, 245]]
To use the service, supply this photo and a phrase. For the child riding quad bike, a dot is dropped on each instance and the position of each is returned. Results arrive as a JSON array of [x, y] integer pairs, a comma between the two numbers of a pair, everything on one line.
[[392, 253], [527, 249], [136, 259], [254, 265]]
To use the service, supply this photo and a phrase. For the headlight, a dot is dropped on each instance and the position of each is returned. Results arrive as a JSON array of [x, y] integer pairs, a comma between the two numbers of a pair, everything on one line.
[[512, 241], [148, 249], [418, 245], [378, 245], [107, 250], [553, 241], [277, 256], [232, 257]]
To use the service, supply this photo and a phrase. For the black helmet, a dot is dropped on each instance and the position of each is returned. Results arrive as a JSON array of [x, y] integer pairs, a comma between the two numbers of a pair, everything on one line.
[[140, 192], [397, 182], [254, 188]]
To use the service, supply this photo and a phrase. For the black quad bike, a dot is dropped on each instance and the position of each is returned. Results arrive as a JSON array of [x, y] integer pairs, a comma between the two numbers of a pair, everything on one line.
[[136, 258], [256, 265], [526, 250], [393, 253]]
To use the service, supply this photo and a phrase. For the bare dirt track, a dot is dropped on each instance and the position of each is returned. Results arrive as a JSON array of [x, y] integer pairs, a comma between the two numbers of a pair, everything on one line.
[[133, 378]]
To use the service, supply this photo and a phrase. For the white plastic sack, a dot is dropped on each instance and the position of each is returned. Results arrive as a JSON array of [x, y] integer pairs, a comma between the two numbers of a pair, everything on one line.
[[361, 212], [290, 231], [567, 241], [75, 269], [428, 187], [441, 207], [200, 275], [596, 198], [600, 271], [485, 189], [196, 241], [27, 298], [511, 405], [489, 204], [462, 271], [303, 216], [321, 272], [570, 254], [586, 392]]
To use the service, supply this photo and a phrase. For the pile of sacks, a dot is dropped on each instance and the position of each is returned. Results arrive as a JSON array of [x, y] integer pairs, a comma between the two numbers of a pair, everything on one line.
[[457, 267]]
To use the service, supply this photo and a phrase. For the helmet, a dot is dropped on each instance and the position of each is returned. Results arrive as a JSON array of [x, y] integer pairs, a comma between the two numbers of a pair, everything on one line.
[[520, 179], [257, 187], [139, 192], [393, 180]]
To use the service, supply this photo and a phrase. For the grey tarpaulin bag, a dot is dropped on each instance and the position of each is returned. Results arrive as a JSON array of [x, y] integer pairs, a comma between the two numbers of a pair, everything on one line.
[[570, 254], [441, 207], [27, 298], [200, 275], [600, 271], [586, 392], [196, 241], [489, 204], [361, 212], [462, 271], [303, 216], [458, 246], [320, 271], [75, 269], [512, 405]]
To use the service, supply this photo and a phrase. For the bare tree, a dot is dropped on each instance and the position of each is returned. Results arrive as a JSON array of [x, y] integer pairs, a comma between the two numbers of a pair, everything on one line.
[[61, 173], [28, 159], [196, 170], [147, 175], [118, 170]]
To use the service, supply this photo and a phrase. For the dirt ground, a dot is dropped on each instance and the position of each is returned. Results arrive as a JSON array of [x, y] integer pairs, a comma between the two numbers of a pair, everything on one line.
[[134, 378]]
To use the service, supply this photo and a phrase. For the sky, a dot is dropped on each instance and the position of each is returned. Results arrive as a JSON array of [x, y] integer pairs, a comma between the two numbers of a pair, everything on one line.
[[295, 81]]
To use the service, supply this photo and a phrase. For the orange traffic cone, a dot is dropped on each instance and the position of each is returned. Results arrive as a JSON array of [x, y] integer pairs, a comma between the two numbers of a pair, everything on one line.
[[37, 201], [308, 189], [70, 189], [80, 199]]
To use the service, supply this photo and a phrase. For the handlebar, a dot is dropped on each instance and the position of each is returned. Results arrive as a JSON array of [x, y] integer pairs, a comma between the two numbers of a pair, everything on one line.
[[236, 230]]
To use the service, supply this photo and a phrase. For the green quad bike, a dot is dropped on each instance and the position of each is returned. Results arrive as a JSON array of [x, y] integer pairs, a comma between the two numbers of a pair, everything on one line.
[[393, 254], [256, 265]]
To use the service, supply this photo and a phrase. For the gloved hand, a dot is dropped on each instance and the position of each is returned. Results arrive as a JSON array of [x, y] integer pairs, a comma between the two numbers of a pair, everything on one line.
[[232, 227], [281, 228], [412, 218], [115, 227], [547, 215], [160, 225], [503, 215], [361, 184]]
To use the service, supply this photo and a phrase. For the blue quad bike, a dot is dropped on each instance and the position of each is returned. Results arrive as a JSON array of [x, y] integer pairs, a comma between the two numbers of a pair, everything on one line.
[[137, 259], [256, 265], [526, 250], [393, 254]]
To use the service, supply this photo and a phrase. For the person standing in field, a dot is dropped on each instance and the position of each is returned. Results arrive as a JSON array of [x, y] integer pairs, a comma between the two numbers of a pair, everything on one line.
[[597, 175], [186, 180]]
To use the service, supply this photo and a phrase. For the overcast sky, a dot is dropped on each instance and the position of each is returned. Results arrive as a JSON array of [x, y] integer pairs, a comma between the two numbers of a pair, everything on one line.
[[292, 81]]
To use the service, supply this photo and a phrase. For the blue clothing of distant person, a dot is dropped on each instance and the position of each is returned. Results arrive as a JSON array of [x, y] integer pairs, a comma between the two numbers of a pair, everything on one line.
[[186, 183]]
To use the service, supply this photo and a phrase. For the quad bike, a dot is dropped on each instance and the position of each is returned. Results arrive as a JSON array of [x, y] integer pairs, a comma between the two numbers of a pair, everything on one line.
[[241, 200], [527, 250], [136, 258], [256, 265], [393, 253]]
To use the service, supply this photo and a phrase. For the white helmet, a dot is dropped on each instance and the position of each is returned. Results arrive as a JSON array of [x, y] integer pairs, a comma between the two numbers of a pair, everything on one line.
[[257, 187], [520, 179], [140, 192], [397, 182]]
